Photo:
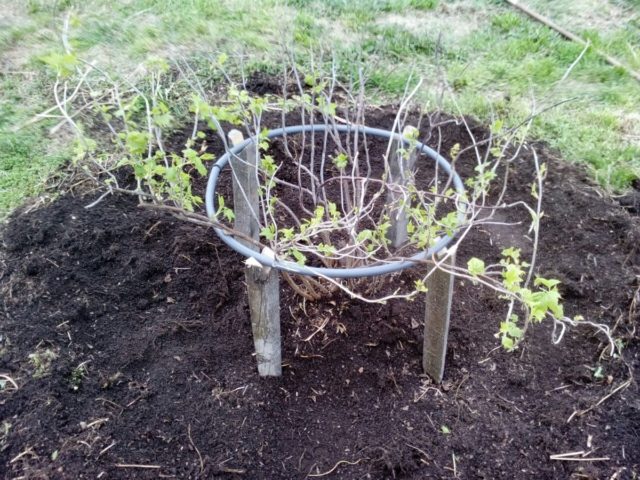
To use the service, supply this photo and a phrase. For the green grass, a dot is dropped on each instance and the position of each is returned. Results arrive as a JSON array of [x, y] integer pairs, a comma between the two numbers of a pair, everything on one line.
[[526, 58], [495, 58], [27, 156]]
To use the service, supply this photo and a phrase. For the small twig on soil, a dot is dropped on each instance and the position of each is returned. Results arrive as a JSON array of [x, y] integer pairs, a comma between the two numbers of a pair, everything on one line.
[[113, 404], [133, 465], [106, 449], [153, 227], [28, 451], [619, 388], [134, 401], [421, 451], [98, 200], [608, 346], [320, 328], [7, 378], [489, 355], [98, 422], [464, 379], [617, 473], [237, 471], [561, 387], [341, 462], [196, 449], [424, 389], [573, 457], [455, 467], [509, 401], [633, 310]]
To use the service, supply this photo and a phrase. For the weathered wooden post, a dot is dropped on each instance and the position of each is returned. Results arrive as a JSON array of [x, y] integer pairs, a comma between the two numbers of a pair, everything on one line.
[[436, 318], [439, 284], [263, 283], [402, 163]]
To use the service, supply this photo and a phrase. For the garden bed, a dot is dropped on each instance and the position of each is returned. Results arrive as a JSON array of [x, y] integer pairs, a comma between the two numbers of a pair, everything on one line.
[[154, 312]]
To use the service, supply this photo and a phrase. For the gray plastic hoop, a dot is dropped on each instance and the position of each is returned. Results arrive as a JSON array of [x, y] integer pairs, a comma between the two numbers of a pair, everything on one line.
[[292, 267]]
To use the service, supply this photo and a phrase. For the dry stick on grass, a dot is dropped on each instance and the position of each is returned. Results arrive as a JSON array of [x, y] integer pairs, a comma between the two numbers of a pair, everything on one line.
[[572, 36]]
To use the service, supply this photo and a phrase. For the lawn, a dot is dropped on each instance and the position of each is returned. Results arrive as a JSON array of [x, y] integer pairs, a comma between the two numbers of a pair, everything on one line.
[[497, 62]]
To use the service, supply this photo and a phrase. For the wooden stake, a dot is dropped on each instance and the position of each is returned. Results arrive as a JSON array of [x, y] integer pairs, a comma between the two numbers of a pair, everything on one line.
[[401, 167], [263, 287], [436, 320], [245, 189], [263, 283]]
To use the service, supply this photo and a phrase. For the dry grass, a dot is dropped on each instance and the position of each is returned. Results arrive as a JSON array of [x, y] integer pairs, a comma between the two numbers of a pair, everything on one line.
[[453, 21], [605, 16]]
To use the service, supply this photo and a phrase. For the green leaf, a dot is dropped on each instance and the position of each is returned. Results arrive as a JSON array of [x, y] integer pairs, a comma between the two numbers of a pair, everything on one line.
[[341, 161], [286, 233], [476, 267], [300, 258], [161, 115], [444, 429], [138, 170], [512, 277], [333, 212], [496, 152], [137, 142], [450, 223], [268, 165], [268, 232], [199, 166], [507, 343], [64, 64], [420, 286], [512, 253], [547, 282], [455, 150], [513, 330], [228, 214], [328, 250], [364, 235]]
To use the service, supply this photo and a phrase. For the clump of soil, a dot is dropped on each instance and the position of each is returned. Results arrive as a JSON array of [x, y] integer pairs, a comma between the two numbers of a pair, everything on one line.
[[128, 335]]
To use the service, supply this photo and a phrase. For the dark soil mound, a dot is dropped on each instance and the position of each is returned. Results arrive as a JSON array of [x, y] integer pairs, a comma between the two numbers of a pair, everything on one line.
[[128, 335]]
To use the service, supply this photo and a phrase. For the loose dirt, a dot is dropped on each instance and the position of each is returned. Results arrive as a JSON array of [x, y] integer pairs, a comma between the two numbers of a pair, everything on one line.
[[153, 375]]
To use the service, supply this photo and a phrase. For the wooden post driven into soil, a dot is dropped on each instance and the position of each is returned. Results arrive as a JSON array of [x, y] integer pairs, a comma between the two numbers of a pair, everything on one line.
[[439, 284], [263, 283], [401, 167], [436, 319]]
